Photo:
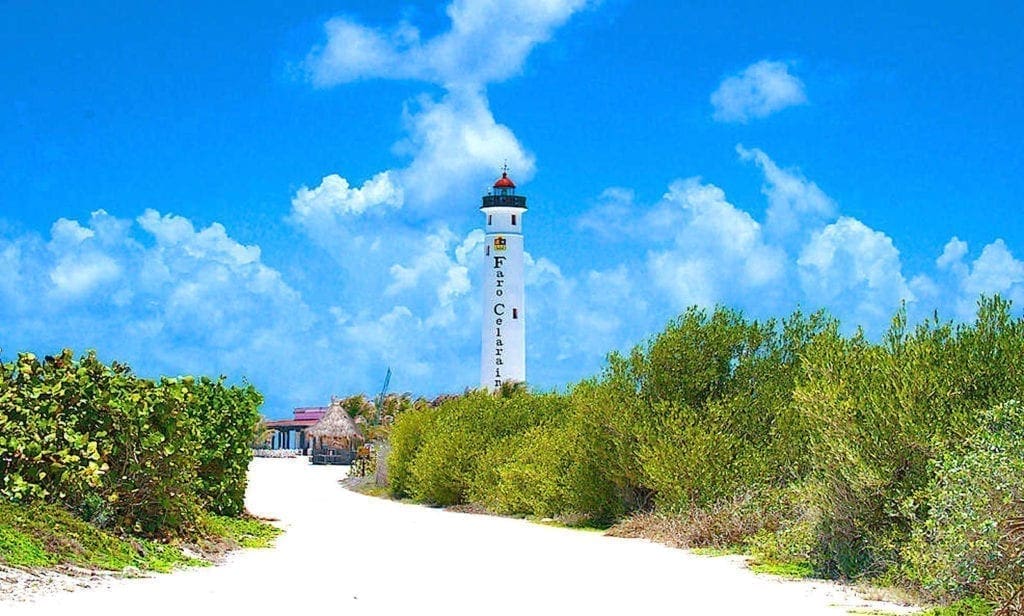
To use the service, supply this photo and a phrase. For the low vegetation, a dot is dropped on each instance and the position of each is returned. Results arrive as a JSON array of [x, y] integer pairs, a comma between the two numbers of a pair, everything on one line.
[[898, 460], [243, 531], [42, 535]]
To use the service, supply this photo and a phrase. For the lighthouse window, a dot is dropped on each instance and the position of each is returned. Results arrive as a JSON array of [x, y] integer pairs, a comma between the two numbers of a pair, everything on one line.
[[515, 313], [513, 220], [489, 217]]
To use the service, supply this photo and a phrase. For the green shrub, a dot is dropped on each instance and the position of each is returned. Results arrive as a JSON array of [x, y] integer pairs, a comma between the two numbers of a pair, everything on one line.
[[227, 419], [443, 469], [115, 448], [406, 438], [136, 455], [590, 492], [714, 393], [688, 460], [560, 467], [150, 445], [875, 416], [960, 549], [523, 474], [44, 453], [605, 415], [441, 472]]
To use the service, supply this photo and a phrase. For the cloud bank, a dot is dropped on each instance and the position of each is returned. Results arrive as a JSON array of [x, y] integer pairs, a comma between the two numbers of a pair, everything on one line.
[[703, 249], [172, 297]]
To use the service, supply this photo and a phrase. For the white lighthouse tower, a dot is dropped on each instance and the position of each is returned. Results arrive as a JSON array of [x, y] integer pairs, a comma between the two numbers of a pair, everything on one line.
[[503, 357]]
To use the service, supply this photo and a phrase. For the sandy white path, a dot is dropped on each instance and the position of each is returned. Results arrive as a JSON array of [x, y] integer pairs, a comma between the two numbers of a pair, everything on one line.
[[344, 553]]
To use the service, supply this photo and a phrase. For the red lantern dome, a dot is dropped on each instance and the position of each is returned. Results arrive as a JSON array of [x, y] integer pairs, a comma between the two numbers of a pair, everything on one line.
[[504, 181]]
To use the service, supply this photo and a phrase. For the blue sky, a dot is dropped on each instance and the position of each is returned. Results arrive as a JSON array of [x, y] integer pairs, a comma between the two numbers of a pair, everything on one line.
[[290, 194]]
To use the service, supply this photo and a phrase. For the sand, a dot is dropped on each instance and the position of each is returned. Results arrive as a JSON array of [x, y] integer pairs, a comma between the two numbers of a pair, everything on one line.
[[343, 552]]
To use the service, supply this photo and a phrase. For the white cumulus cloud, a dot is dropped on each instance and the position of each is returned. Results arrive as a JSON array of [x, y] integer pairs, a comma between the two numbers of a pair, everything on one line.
[[456, 144], [854, 268], [488, 41], [995, 270], [176, 233], [69, 232], [334, 197], [703, 249], [952, 256], [760, 90], [81, 266], [719, 250]]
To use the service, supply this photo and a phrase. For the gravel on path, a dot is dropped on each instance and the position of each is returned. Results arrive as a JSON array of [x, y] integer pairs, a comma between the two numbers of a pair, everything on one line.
[[344, 552]]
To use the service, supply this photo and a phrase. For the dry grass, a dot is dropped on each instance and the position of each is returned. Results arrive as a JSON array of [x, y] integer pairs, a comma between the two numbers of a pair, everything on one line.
[[723, 525], [889, 594], [473, 508]]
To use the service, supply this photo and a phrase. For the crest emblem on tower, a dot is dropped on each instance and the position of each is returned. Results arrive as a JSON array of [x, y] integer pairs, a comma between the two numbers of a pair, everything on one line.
[[500, 243]]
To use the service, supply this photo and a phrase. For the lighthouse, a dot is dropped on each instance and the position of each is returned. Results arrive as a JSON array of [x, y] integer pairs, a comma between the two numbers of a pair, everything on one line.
[[503, 355]]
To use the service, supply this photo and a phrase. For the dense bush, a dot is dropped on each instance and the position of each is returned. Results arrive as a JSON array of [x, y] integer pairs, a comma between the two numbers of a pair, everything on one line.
[[446, 463], [616, 443], [604, 417], [42, 452], [877, 415], [713, 394], [805, 444], [549, 470], [524, 474], [405, 440], [124, 452]]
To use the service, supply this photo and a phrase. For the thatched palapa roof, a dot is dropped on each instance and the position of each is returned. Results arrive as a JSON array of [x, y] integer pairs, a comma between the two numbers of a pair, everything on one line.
[[335, 424]]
